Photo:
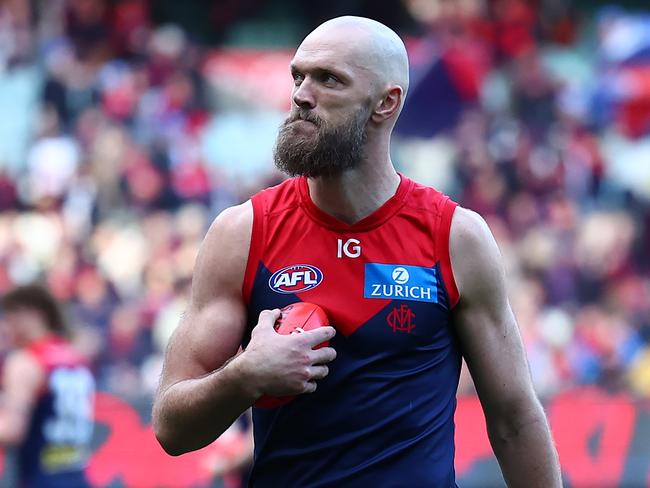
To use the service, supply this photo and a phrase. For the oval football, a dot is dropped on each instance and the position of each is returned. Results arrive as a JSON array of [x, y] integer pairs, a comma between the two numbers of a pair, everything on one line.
[[294, 319], [301, 317]]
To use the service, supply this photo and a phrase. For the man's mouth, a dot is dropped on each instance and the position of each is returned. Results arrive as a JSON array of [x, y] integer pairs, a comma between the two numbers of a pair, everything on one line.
[[303, 118]]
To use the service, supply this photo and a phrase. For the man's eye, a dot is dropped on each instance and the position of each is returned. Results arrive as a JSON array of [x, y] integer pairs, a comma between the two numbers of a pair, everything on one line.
[[329, 78], [297, 78]]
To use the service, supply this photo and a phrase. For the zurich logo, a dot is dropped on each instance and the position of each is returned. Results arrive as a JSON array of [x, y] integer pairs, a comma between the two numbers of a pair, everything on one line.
[[403, 282], [400, 275], [295, 278]]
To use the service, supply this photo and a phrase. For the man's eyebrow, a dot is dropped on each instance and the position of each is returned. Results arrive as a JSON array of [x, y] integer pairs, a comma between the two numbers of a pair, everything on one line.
[[321, 69]]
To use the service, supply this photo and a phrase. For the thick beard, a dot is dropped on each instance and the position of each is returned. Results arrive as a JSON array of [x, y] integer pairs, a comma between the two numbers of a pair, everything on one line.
[[329, 152]]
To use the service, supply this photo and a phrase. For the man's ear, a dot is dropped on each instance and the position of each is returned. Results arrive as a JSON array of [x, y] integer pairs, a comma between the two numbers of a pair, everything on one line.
[[389, 105]]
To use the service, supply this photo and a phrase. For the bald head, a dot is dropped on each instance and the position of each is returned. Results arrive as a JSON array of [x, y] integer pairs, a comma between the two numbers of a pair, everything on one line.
[[367, 44], [350, 77]]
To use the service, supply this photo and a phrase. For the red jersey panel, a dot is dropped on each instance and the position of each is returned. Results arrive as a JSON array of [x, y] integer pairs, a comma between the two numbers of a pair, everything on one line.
[[387, 406]]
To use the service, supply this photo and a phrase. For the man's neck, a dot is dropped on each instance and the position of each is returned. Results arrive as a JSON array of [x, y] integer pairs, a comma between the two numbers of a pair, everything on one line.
[[355, 194]]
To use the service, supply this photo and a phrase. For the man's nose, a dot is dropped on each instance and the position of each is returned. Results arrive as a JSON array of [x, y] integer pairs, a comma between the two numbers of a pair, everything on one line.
[[303, 95]]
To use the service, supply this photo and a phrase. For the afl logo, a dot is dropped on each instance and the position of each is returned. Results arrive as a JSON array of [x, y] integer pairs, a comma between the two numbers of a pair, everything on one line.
[[295, 278]]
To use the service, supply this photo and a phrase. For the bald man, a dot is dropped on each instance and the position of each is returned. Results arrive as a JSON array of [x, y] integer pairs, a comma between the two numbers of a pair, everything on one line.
[[411, 283]]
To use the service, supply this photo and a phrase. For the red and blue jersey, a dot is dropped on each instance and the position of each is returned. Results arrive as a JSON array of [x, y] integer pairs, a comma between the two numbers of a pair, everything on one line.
[[384, 416], [57, 445]]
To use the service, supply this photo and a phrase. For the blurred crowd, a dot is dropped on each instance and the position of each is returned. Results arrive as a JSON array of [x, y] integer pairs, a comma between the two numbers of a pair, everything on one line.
[[118, 148]]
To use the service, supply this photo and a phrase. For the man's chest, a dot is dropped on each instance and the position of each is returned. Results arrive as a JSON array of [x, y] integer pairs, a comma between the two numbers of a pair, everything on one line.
[[386, 283]]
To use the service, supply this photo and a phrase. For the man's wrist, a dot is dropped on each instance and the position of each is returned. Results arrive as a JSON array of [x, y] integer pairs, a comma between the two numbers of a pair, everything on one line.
[[244, 375]]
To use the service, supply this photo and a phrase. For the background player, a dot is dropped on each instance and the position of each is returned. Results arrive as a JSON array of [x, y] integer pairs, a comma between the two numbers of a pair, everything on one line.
[[47, 394], [351, 77]]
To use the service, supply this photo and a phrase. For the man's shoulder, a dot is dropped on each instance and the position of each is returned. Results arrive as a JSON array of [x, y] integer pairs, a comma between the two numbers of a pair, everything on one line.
[[426, 197], [22, 365], [224, 251], [476, 259], [470, 236], [233, 220], [21, 358], [469, 228], [284, 195]]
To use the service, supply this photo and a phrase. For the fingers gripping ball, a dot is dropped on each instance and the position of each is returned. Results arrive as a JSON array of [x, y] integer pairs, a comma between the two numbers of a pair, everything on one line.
[[294, 319]]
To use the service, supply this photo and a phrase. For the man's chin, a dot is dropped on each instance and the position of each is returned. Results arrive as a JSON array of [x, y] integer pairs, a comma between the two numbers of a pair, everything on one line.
[[293, 169], [300, 170]]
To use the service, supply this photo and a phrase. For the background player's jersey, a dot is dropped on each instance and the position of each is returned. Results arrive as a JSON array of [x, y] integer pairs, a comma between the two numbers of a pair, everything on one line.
[[56, 449], [384, 414]]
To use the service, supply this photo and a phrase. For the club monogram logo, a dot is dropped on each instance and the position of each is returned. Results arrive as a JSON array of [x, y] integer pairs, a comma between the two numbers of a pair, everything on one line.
[[401, 319]]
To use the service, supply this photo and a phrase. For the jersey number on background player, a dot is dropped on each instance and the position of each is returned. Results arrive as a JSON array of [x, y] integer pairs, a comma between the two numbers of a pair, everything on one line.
[[73, 390]]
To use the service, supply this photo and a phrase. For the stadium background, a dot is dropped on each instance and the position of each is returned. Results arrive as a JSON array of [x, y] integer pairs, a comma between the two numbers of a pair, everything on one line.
[[126, 126]]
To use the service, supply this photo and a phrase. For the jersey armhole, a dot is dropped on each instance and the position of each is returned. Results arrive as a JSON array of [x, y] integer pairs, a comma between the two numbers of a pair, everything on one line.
[[444, 227], [255, 248]]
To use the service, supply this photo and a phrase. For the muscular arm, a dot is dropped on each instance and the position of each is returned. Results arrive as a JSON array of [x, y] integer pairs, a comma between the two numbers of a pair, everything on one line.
[[495, 355], [198, 397], [205, 386], [21, 380]]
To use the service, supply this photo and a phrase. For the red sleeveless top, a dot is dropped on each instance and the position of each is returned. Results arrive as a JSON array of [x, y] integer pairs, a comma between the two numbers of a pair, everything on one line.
[[384, 414], [410, 229]]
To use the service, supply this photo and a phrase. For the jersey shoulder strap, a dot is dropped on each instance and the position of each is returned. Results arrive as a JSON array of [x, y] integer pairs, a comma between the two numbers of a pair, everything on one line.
[[276, 199], [440, 208]]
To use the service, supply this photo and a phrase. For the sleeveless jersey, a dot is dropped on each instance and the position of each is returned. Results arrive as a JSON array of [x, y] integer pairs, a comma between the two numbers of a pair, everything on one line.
[[384, 416], [57, 445]]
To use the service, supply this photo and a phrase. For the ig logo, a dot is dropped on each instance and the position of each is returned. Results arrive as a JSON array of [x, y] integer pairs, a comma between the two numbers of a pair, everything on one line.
[[350, 248]]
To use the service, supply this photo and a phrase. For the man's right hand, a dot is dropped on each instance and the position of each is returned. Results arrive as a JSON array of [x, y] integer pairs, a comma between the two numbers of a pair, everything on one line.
[[284, 365]]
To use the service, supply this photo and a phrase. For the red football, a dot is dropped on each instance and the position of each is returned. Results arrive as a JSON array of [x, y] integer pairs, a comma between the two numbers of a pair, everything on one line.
[[294, 319]]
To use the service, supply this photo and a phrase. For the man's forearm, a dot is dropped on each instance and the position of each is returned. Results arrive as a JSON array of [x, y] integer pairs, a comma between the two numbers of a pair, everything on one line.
[[192, 413], [524, 448]]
